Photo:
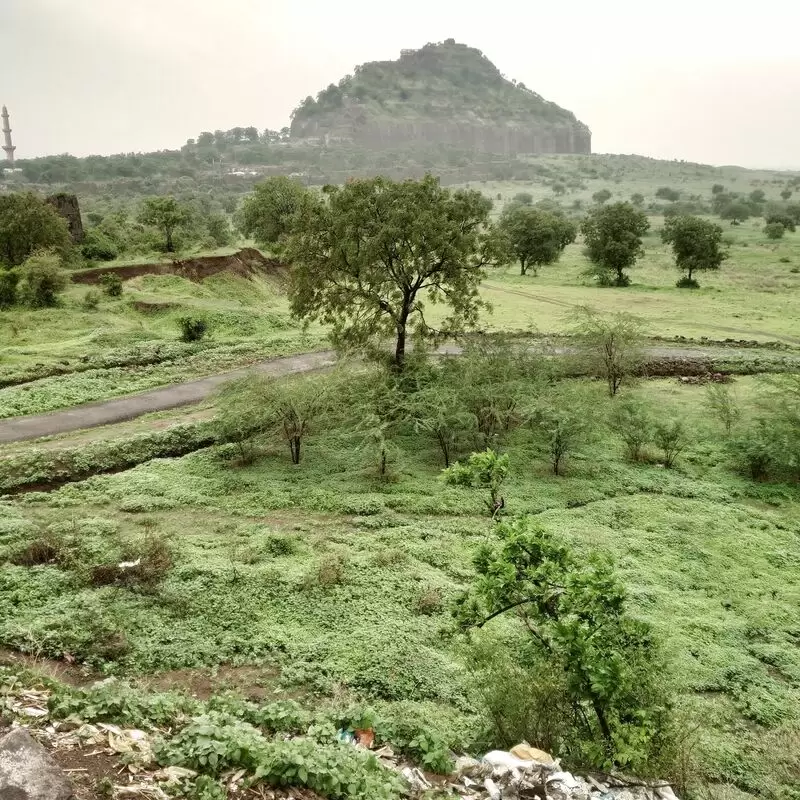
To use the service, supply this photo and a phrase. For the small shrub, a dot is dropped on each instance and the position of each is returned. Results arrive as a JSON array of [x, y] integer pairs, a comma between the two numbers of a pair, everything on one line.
[[670, 438], [193, 329], [98, 247], [774, 230], [9, 278], [331, 571], [429, 601], [785, 260], [91, 300], [685, 282], [42, 280], [144, 566], [42, 550], [112, 284], [631, 421], [277, 545]]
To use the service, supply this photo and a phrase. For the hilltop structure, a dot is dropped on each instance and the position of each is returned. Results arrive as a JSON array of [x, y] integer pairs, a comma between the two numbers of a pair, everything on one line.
[[442, 94], [7, 144]]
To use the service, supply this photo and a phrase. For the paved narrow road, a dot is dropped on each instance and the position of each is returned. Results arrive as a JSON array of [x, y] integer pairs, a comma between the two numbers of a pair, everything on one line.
[[107, 412]]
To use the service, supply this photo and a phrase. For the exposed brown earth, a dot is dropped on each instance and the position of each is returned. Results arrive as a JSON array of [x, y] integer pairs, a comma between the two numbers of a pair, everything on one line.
[[246, 263]]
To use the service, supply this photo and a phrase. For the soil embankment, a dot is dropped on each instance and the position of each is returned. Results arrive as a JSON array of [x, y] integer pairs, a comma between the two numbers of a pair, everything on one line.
[[245, 263]]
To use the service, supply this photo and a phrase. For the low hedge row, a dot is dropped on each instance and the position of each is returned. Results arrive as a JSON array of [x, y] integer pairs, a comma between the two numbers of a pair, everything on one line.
[[46, 467]]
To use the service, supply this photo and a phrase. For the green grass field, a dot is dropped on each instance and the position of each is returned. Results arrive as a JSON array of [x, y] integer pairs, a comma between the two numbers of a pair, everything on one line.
[[316, 573], [324, 583]]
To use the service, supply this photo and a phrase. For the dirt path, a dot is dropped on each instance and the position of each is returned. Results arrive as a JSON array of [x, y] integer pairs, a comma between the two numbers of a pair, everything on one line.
[[120, 409], [107, 412]]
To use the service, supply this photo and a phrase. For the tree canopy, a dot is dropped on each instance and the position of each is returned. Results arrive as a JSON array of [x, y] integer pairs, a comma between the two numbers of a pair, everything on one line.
[[613, 237], [696, 243], [368, 256], [28, 224], [267, 213], [166, 214], [536, 237]]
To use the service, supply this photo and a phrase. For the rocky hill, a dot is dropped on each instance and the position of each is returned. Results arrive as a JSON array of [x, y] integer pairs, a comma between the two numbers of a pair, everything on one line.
[[442, 94]]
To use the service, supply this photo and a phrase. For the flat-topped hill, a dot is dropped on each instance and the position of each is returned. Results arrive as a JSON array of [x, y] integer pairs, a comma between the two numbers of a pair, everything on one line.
[[446, 93]]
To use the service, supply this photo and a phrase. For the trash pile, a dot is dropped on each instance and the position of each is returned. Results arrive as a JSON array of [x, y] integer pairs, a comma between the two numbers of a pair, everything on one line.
[[526, 773], [523, 773]]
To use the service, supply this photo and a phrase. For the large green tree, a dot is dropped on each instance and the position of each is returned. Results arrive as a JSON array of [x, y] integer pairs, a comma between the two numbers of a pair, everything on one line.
[[536, 237], [368, 257], [266, 214], [613, 237], [166, 214], [28, 224], [696, 243]]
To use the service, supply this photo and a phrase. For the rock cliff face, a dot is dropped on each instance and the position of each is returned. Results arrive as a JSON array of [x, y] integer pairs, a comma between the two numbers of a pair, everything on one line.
[[442, 95]]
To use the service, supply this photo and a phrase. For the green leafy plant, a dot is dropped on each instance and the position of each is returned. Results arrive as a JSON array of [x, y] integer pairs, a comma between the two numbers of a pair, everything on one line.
[[575, 610], [193, 329], [112, 284], [487, 471]]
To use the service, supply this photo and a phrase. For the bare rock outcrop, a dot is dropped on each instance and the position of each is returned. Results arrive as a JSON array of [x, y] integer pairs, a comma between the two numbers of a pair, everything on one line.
[[28, 772]]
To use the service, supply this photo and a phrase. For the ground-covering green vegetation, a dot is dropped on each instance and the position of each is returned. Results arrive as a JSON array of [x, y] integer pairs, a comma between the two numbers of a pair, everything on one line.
[[337, 574], [314, 535]]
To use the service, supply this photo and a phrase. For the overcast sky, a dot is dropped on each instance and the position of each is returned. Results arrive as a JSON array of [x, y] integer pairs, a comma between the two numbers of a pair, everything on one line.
[[704, 80]]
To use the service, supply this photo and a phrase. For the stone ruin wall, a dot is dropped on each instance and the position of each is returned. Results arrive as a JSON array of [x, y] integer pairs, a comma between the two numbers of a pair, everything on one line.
[[67, 206]]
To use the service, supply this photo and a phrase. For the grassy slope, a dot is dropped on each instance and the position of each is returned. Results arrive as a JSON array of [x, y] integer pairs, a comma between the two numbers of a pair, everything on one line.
[[710, 559], [248, 322]]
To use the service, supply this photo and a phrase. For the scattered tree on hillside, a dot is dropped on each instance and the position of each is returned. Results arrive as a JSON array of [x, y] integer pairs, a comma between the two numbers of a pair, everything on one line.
[[637, 198], [257, 406], [575, 610], [166, 214], [42, 279], [536, 237], [610, 345], [266, 215], [601, 196], [562, 422], [367, 260], [722, 402], [717, 188], [613, 237], [736, 211], [786, 194], [774, 230], [696, 243], [665, 193], [757, 196], [784, 218], [521, 199], [29, 224]]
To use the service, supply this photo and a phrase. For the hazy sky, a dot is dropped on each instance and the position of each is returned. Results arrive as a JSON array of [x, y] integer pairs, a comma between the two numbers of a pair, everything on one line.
[[705, 80]]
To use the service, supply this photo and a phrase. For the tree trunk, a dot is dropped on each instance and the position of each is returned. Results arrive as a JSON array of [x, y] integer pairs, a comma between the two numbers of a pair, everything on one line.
[[601, 719], [445, 448], [402, 320], [294, 447], [523, 267], [170, 245]]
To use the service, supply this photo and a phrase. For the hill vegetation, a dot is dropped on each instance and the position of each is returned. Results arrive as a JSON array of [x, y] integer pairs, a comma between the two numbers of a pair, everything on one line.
[[444, 93]]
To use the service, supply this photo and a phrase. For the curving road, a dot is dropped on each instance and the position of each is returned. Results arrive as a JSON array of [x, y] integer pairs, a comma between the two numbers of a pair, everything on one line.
[[107, 412], [120, 409]]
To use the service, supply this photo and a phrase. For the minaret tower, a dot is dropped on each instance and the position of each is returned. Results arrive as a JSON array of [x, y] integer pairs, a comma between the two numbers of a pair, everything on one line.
[[7, 146]]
